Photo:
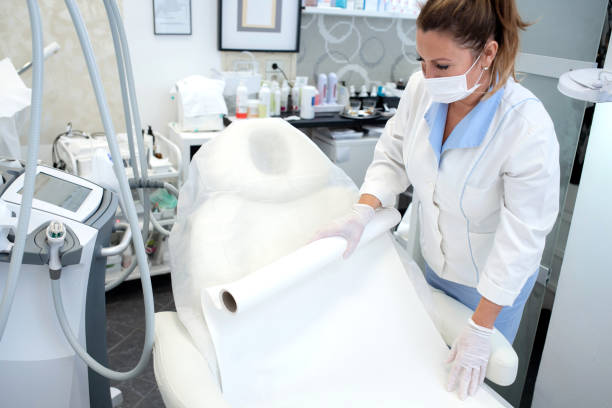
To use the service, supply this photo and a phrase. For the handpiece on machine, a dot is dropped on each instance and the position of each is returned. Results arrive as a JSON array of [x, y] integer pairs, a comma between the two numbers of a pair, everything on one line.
[[56, 235]]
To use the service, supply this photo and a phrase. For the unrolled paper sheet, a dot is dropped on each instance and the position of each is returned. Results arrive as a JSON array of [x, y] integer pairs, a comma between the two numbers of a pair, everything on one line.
[[331, 332]]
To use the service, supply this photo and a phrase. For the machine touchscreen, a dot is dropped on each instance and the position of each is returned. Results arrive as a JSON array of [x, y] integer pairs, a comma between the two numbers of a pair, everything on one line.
[[58, 192]]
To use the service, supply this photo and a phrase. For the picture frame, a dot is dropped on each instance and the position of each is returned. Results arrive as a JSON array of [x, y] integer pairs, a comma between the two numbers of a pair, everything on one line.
[[259, 25], [172, 17]]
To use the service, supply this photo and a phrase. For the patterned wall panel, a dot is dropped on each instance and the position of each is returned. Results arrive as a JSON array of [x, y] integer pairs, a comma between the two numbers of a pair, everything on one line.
[[360, 50]]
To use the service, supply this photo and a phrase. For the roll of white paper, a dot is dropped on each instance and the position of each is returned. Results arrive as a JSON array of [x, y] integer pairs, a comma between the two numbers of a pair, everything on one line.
[[270, 280]]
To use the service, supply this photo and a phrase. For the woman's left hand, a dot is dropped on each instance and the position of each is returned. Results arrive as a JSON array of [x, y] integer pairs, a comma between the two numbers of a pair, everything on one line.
[[470, 356]]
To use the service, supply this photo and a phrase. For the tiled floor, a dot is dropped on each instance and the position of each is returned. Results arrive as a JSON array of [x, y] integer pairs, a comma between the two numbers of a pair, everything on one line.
[[125, 336]]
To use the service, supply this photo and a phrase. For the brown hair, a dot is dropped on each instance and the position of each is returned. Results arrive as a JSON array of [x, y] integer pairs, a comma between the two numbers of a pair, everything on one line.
[[473, 22]]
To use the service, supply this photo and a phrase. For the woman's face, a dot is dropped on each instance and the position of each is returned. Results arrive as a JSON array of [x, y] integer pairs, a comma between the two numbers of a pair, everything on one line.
[[441, 56]]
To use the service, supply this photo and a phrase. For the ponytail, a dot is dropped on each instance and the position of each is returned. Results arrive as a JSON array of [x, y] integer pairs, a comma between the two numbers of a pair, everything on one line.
[[508, 24], [473, 22]]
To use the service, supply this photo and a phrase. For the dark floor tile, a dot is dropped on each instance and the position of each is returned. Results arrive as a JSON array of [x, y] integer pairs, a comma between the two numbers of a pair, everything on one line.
[[152, 400], [128, 310], [148, 374], [126, 355], [170, 307], [134, 391], [116, 333], [162, 289], [125, 337]]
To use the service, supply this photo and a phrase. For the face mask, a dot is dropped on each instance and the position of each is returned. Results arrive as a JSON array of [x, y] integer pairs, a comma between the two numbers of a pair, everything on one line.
[[453, 88]]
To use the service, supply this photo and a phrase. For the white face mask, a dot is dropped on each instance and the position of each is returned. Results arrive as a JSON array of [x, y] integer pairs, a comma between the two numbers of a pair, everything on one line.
[[452, 88]]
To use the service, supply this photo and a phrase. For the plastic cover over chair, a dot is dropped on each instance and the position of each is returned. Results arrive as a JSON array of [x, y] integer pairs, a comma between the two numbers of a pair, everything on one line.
[[258, 191]]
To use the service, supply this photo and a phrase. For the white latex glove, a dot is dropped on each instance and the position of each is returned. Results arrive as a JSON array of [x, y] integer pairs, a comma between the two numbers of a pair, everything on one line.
[[470, 355], [349, 227]]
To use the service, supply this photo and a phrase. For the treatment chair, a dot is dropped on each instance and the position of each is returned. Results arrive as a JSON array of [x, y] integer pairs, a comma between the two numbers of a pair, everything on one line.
[[186, 371], [185, 379]]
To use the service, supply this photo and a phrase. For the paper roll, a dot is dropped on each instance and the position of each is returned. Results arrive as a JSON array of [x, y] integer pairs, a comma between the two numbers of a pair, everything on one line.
[[272, 279]]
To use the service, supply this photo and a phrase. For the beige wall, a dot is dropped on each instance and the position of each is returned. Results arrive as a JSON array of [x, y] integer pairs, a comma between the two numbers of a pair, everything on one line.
[[286, 60], [68, 95]]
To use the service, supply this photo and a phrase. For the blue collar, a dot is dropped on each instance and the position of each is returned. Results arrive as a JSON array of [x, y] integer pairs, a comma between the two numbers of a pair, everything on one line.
[[469, 132]]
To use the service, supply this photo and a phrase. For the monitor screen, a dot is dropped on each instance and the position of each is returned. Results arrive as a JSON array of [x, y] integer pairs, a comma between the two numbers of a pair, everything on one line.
[[59, 192]]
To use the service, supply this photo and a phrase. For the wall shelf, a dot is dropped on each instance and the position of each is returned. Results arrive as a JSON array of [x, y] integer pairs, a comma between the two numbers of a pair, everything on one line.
[[335, 11]]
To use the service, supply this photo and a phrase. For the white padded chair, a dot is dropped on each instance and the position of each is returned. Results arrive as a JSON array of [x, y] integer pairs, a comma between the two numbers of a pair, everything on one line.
[[186, 381]]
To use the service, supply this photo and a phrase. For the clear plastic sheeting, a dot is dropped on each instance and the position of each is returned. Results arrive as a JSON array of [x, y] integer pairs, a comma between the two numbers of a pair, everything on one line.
[[256, 192], [14, 99]]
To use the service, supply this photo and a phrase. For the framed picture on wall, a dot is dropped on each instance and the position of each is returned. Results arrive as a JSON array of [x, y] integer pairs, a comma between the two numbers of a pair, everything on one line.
[[172, 17], [259, 25]]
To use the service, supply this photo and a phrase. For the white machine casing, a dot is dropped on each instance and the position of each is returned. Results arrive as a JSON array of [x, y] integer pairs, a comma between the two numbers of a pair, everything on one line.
[[77, 153], [188, 144], [28, 353], [33, 349]]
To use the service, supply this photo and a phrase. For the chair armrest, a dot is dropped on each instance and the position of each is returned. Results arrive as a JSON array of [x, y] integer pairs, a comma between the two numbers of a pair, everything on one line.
[[450, 318], [182, 373]]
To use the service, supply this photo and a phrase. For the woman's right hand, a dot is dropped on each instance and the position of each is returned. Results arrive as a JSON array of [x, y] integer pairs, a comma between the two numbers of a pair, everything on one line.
[[349, 227]]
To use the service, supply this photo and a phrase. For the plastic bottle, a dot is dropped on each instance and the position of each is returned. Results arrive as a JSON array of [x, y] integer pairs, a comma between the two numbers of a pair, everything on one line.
[[275, 100], [242, 101], [332, 88], [307, 105], [295, 98], [322, 88], [273, 85], [364, 92], [253, 108], [264, 101], [284, 97]]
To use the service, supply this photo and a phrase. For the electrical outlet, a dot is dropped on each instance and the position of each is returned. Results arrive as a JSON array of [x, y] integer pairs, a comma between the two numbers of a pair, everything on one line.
[[269, 64], [271, 73]]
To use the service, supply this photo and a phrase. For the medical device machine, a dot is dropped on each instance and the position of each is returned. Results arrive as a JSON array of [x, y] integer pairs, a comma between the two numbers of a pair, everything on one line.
[[79, 153], [74, 153], [33, 348], [54, 227], [189, 143]]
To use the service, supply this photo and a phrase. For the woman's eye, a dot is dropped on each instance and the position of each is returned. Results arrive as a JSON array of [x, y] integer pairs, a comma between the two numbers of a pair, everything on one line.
[[441, 66], [419, 59]]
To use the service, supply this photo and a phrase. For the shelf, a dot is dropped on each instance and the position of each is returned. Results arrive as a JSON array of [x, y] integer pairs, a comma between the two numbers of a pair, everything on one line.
[[335, 11]]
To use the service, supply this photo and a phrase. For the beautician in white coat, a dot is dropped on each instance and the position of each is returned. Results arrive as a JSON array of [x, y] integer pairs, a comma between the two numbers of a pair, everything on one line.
[[481, 153]]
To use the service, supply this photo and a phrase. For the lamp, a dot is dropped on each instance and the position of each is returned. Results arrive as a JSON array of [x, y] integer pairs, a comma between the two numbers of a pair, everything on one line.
[[590, 84]]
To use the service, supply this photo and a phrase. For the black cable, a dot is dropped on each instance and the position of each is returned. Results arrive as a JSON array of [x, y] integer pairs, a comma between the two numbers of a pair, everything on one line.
[[275, 67]]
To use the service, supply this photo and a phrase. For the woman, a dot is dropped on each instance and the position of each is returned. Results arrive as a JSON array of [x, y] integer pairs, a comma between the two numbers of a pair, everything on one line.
[[481, 153]]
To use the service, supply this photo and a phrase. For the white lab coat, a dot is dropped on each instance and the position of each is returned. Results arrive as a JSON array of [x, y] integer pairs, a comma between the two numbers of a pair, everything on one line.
[[484, 211]]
